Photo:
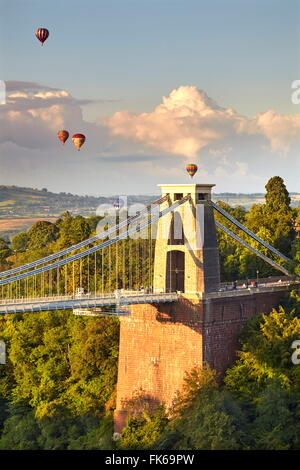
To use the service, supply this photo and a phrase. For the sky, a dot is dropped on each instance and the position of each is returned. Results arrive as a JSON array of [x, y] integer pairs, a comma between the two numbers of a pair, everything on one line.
[[154, 85]]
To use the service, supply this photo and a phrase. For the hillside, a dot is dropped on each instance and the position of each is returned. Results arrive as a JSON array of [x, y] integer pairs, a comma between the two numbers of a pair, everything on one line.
[[21, 207], [247, 200], [18, 202], [28, 202]]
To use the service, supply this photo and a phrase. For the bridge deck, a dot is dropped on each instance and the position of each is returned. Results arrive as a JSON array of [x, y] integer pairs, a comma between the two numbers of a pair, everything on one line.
[[90, 301], [67, 302], [250, 290]]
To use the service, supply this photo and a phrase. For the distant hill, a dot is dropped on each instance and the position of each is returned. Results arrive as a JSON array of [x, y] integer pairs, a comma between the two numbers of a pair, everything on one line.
[[18, 202], [21, 207], [247, 200]]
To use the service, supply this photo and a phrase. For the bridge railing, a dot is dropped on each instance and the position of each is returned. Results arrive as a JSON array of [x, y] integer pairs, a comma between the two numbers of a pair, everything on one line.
[[53, 298], [123, 297]]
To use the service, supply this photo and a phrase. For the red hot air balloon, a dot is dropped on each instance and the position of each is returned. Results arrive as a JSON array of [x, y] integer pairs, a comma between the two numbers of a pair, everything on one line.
[[78, 140], [191, 168], [42, 34], [63, 136]]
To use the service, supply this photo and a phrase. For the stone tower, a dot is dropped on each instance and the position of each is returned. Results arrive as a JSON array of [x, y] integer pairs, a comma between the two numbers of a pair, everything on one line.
[[186, 251], [160, 343]]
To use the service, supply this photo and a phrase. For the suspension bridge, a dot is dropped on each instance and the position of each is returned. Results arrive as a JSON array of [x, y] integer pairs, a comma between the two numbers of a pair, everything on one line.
[[159, 272], [121, 266]]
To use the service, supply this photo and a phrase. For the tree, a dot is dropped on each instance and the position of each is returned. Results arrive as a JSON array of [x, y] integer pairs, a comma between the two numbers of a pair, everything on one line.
[[204, 416], [20, 242], [72, 230], [41, 234], [143, 429], [20, 431], [276, 426], [24, 431], [276, 216], [266, 354], [296, 256], [5, 251], [277, 196], [59, 364], [93, 222]]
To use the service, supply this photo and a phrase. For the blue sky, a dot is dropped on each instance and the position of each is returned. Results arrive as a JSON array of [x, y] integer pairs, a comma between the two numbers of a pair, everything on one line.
[[127, 55]]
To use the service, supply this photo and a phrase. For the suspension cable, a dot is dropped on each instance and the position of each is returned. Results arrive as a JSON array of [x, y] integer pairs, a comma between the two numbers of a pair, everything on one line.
[[84, 243], [95, 274], [96, 248]]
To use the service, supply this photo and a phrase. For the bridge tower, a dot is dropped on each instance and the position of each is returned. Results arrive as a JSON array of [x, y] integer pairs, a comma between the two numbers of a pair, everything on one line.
[[186, 250], [160, 343]]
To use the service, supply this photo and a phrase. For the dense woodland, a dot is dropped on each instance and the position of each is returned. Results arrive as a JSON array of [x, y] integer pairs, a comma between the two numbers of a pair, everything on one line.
[[57, 389]]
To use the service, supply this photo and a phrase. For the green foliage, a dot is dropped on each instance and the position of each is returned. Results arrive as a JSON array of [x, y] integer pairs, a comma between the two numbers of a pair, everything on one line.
[[266, 354], [5, 252], [296, 256], [24, 431], [72, 230], [93, 222], [57, 389], [20, 431], [277, 196], [95, 438], [20, 242], [60, 375], [257, 406], [204, 416], [41, 234], [272, 221], [276, 216], [277, 424], [57, 361], [143, 429], [3, 412]]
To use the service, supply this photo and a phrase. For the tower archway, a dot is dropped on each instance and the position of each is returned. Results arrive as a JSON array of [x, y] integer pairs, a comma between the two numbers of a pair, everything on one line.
[[175, 271]]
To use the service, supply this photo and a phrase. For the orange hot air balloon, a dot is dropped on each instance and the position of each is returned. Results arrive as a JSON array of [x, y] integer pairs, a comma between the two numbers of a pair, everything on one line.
[[78, 140], [191, 168], [63, 136], [42, 34]]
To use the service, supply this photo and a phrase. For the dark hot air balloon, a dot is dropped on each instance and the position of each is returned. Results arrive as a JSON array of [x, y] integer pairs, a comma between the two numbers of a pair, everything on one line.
[[63, 135], [78, 140], [118, 203], [42, 34], [191, 168]]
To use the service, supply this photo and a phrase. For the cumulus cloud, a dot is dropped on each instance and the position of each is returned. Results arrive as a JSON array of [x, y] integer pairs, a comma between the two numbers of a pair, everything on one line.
[[33, 113], [188, 120], [281, 130], [136, 149], [26, 95]]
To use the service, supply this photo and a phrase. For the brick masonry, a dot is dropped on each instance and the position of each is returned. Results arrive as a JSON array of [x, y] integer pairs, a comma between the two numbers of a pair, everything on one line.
[[160, 343]]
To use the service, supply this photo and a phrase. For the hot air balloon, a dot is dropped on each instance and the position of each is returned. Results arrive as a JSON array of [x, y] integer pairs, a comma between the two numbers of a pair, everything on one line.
[[118, 203], [42, 34], [78, 140], [191, 168], [63, 136]]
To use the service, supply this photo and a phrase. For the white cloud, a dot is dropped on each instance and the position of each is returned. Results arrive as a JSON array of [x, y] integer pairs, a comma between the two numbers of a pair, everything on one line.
[[33, 114], [137, 150], [51, 94], [281, 130], [185, 122], [188, 120]]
